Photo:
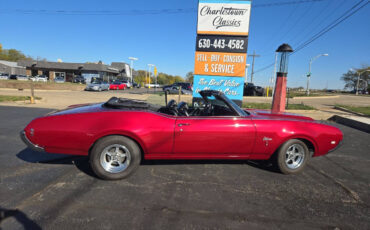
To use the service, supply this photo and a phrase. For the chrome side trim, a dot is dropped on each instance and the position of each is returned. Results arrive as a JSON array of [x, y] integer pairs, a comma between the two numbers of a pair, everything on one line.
[[29, 143]]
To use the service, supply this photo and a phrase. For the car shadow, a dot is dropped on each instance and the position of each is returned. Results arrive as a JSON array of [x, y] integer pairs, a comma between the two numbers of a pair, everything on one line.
[[19, 216], [81, 162], [260, 164]]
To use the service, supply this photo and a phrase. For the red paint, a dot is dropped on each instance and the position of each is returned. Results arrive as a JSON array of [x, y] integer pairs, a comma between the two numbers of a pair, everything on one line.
[[116, 86], [75, 130], [279, 100]]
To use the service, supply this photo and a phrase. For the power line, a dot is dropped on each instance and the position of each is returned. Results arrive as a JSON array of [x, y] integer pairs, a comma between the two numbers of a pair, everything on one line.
[[136, 12], [332, 25], [325, 30]]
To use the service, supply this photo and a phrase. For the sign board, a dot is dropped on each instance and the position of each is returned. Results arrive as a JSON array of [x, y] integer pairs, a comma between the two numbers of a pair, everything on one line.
[[232, 87], [221, 47], [155, 71], [217, 43], [221, 64], [225, 17]]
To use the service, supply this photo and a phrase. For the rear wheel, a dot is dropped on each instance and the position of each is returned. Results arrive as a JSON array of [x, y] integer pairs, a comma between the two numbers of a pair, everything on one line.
[[292, 156], [115, 157]]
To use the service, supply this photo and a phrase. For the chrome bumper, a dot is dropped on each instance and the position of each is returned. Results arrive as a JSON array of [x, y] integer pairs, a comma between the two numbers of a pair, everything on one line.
[[30, 144]]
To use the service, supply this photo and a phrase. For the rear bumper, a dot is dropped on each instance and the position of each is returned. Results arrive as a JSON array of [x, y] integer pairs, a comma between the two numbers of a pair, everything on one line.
[[30, 144]]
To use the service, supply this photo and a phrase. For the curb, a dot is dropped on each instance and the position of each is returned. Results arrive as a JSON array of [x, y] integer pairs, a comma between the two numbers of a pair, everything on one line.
[[351, 123], [349, 111]]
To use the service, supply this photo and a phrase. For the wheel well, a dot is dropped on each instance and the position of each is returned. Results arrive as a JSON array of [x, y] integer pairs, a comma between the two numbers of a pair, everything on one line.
[[138, 144], [309, 145]]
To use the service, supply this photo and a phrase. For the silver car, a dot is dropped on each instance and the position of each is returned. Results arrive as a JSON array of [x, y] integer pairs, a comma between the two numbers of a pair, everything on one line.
[[97, 85], [175, 90]]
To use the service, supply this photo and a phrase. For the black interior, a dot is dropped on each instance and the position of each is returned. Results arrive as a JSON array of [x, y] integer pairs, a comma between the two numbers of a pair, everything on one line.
[[204, 109]]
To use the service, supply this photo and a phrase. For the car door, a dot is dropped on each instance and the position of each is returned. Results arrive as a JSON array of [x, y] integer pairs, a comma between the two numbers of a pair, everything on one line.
[[214, 135]]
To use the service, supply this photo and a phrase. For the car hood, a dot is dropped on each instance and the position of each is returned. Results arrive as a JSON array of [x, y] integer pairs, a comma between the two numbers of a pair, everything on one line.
[[267, 114]]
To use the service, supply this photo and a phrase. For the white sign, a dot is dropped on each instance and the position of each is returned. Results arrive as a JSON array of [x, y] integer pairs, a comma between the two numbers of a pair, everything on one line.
[[226, 17]]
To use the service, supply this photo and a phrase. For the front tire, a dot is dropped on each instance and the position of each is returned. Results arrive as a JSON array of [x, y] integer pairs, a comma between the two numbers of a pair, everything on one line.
[[292, 157], [115, 157]]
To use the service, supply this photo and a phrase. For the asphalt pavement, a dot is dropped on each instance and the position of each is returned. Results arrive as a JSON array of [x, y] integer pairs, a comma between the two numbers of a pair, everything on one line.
[[53, 191]]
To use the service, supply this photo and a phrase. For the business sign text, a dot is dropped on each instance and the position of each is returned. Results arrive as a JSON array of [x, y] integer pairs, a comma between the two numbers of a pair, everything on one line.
[[225, 44], [221, 64], [226, 17], [232, 87]]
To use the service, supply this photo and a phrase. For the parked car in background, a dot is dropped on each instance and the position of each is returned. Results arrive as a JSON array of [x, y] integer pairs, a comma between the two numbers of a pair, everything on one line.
[[152, 85], [4, 76], [79, 79], [184, 85], [22, 78], [59, 80], [251, 90], [117, 84], [128, 84], [41, 78], [97, 85], [136, 85], [175, 90], [13, 77]]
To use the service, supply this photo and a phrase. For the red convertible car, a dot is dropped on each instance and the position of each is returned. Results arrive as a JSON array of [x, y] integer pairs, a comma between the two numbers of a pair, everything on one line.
[[117, 85], [117, 134]]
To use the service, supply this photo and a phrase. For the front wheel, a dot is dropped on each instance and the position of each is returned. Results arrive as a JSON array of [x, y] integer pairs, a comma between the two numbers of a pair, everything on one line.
[[115, 157], [292, 157]]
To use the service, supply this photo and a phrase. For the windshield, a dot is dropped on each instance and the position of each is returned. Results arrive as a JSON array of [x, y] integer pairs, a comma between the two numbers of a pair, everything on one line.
[[116, 82], [225, 102], [96, 82]]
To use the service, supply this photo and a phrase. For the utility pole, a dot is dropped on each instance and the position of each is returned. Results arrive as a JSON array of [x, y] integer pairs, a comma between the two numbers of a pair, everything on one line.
[[254, 55], [132, 66]]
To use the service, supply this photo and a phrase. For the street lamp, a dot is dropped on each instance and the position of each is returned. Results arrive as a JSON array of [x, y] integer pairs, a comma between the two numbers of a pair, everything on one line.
[[279, 99], [358, 79], [149, 66], [132, 66], [309, 72]]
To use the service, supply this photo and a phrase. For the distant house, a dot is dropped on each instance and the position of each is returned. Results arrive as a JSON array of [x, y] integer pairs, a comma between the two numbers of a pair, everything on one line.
[[69, 70], [10, 68]]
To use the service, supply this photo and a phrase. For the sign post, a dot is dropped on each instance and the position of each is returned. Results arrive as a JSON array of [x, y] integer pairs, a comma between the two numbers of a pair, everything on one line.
[[221, 47]]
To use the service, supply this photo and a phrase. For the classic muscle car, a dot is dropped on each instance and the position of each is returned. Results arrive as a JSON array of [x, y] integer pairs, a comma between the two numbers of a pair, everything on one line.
[[117, 134]]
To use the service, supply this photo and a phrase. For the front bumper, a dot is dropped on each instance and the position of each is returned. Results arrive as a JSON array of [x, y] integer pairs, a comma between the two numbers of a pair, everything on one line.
[[29, 143]]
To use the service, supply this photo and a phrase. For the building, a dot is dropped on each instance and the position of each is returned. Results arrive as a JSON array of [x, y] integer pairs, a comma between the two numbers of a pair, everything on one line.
[[69, 70], [10, 68]]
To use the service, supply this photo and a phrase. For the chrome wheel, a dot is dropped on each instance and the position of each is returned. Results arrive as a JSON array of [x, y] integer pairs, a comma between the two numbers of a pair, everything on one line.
[[115, 158], [294, 156]]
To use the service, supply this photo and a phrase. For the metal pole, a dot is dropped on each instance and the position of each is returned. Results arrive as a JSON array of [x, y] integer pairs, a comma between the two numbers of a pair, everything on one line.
[[254, 55], [132, 66], [179, 94], [308, 79], [273, 76]]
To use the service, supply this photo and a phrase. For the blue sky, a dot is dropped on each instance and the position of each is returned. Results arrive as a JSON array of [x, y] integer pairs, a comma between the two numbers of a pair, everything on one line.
[[167, 39]]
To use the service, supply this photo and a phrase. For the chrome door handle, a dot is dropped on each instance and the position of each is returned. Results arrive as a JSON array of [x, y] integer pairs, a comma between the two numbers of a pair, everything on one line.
[[183, 124]]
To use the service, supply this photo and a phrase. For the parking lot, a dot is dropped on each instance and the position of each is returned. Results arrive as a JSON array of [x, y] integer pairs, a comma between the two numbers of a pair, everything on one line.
[[47, 191]]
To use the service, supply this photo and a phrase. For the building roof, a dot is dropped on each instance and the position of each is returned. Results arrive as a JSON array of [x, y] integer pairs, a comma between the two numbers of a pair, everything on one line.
[[69, 66], [10, 64]]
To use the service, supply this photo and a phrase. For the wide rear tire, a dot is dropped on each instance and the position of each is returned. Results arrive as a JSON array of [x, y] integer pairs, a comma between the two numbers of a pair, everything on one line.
[[292, 157], [115, 157]]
